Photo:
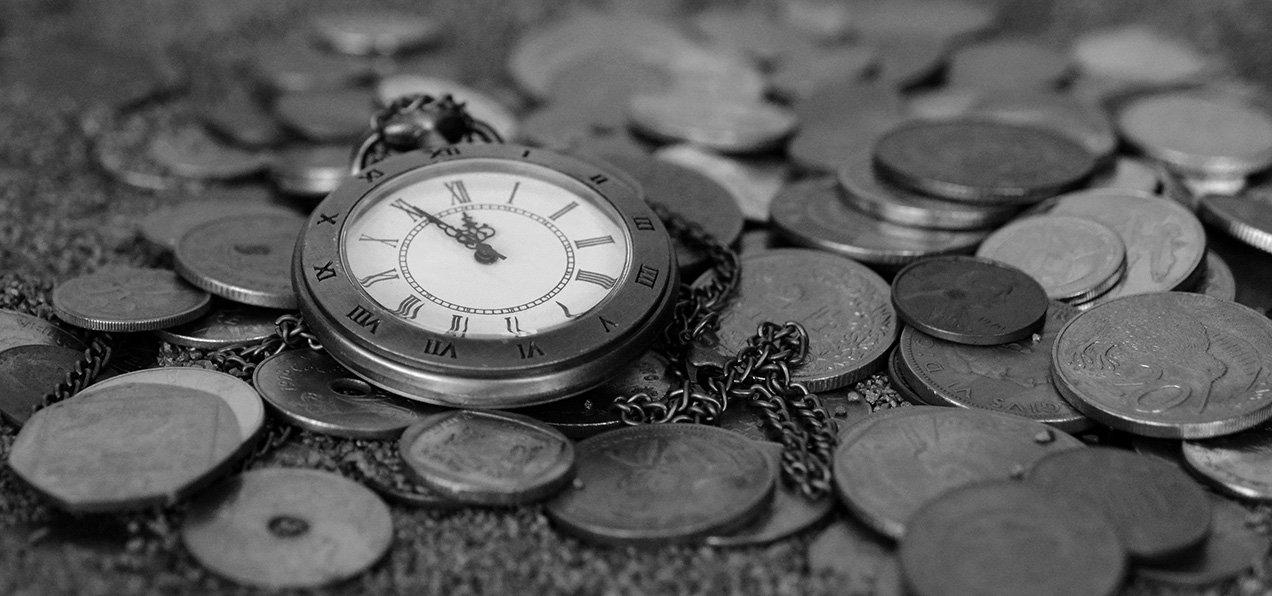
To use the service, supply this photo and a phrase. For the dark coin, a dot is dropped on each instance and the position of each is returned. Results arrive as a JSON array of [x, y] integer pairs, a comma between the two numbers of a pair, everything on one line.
[[488, 458], [1012, 378], [1232, 548], [1155, 508], [790, 512], [226, 324], [982, 161], [1005, 538], [592, 412], [661, 483], [311, 390], [969, 300], [27, 374]]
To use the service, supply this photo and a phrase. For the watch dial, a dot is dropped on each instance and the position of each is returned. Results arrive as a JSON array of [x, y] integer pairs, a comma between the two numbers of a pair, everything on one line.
[[486, 249]]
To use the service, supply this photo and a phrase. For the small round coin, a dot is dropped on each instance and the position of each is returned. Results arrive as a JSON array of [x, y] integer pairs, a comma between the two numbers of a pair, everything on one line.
[[888, 467], [1010, 64], [661, 483], [226, 324], [969, 300], [789, 513], [310, 389], [1005, 538], [1169, 365], [244, 258], [287, 528], [1232, 548], [1074, 259], [20, 329], [488, 458], [1155, 508], [1207, 135], [27, 374], [129, 299], [1239, 464]]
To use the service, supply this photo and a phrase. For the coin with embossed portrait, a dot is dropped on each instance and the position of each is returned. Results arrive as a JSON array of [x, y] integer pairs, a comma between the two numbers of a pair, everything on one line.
[[27, 374], [244, 258], [128, 299], [969, 300], [1074, 259], [1170, 365], [311, 390], [488, 458]]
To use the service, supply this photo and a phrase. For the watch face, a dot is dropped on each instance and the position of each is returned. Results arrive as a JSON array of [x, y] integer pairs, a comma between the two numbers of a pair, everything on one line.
[[486, 248]]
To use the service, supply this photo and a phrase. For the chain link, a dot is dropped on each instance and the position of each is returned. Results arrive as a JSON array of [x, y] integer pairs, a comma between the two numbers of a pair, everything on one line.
[[242, 359], [96, 358]]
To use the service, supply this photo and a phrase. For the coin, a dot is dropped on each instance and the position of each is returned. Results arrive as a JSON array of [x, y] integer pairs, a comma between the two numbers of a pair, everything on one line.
[[244, 258], [1248, 218], [128, 299], [661, 483], [909, 62], [887, 468], [725, 125], [969, 300], [1013, 378], [334, 116], [981, 161], [1168, 365], [166, 225], [842, 305], [479, 105], [27, 374], [384, 472], [1128, 173], [812, 213], [488, 458], [225, 325], [20, 329], [292, 64], [864, 191], [1081, 121], [374, 32], [237, 117], [1155, 508], [592, 412], [808, 68], [311, 390], [287, 528], [1165, 244], [129, 448], [311, 171], [749, 30], [243, 401], [741, 418], [1218, 281], [190, 152], [943, 19], [1232, 548], [1137, 54], [752, 182], [901, 384], [1007, 538], [119, 146], [855, 554], [839, 120], [789, 513], [1237, 463], [1010, 64], [1074, 259], [1200, 134]]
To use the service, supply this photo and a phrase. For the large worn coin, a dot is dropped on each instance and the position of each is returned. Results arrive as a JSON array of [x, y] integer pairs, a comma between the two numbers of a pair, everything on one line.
[[1200, 134], [812, 213], [889, 467], [27, 374], [226, 324], [1240, 464], [142, 446], [311, 390], [1247, 218], [129, 299], [1006, 538], [20, 329], [843, 306], [592, 412], [661, 483], [969, 300], [1075, 259], [1155, 508], [722, 124], [1232, 548], [287, 528], [790, 512], [1165, 244], [488, 458], [244, 258], [1012, 378], [982, 161], [1169, 365]]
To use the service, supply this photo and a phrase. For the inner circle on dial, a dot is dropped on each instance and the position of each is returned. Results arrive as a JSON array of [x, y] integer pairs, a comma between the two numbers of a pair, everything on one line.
[[454, 279]]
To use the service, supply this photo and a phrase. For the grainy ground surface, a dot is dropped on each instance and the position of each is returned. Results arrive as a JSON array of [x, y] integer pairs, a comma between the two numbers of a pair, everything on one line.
[[60, 217]]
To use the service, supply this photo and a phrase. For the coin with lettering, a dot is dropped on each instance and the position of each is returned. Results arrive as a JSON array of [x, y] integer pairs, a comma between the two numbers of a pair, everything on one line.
[[592, 412], [1233, 547], [378, 32], [128, 299], [1005, 538], [789, 513], [287, 528], [843, 306], [226, 324], [1012, 378], [1169, 365], [889, 467], [1248, 217], [21, 329], [969, 300], [1239, 464], [27, 374], [1155, 508], [722, 124], [244, 258], [166, 225], [191, 152], [1201, 134], [1075, 259], [311, 390], [311, 171], [488, 458], [341, 115], [981, 161], [664, 483], [131, 447], [1219, 280]]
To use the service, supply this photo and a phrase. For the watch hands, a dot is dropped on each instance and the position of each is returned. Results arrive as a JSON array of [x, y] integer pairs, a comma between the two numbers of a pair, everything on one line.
[[473, 235]]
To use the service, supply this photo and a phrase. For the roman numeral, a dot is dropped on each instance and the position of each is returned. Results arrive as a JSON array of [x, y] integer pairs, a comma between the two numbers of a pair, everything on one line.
[[415, 212], [410, 307], [371, 175], [598, 179], [441, 349], [586, 242], [323, 218], [390, 242], [644, 224], [459, 325], [599, 279], [647, 276], [459, 194], [364, 318], [530, 350], [375, 278], [323, 272], [608, 324], [446, 151], [563, 210], [514, 192], [565, 309], [513, 325]]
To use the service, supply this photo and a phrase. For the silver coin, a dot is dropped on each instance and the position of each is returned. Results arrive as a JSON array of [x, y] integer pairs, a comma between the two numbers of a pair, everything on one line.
[[1208, 135], [1219, 280], [244, 258], [1073, 258], [129, 299], [311, 171], [243, 401], [225, 324], [1238, 464], [1248, 218]]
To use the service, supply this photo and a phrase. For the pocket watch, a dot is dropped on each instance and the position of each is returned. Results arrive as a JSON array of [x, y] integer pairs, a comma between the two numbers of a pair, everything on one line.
[[485, 276]]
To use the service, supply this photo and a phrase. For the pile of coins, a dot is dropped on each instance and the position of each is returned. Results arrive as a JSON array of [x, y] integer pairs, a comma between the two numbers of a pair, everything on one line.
[[1009, 233]]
